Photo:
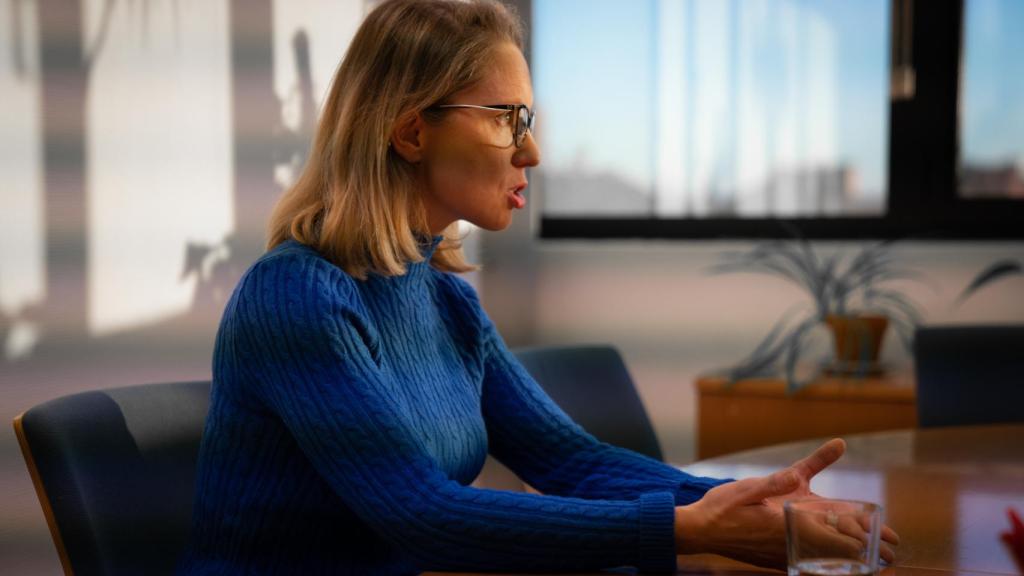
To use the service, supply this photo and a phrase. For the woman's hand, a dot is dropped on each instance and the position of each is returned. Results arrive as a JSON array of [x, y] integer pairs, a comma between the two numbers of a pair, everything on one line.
[[805, 469], [745, 520], [735, 520]]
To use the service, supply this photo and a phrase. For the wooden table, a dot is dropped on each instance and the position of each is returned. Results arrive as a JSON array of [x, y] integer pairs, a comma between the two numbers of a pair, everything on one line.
[[945, 490], [761, 412]]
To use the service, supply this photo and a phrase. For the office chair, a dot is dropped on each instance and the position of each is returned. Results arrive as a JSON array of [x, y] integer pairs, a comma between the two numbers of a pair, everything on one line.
[[593, 386], [969, 375], [115, 472]]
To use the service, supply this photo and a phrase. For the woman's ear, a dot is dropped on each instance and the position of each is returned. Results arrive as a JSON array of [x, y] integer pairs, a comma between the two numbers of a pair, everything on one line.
[[408, 138]]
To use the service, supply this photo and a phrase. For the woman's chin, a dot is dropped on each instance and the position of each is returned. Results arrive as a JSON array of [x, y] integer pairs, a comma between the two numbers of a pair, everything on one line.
[[495, 224]]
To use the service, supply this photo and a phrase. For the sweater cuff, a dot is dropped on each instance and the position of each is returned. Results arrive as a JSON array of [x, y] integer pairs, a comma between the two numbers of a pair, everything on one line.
[[657, 533]]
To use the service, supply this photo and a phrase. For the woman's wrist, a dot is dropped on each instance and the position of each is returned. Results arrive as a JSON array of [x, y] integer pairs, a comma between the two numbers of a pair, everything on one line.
[[688, 530]]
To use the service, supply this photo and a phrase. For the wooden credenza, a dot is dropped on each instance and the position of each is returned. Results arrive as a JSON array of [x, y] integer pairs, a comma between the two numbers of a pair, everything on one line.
[[759, 412]]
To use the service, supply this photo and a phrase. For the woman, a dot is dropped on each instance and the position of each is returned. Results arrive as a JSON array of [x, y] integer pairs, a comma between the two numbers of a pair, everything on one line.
[[358, 384]]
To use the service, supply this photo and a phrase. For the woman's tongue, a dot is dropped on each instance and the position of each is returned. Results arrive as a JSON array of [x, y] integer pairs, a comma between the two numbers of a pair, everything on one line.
[[518, 200]]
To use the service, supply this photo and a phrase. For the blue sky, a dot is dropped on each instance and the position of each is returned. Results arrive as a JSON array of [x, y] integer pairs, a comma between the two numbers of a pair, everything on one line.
[[992, 109], [596, 74], [593, 72]]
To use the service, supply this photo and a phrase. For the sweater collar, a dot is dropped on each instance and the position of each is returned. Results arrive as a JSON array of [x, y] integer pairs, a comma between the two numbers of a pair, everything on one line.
[[428, 245]]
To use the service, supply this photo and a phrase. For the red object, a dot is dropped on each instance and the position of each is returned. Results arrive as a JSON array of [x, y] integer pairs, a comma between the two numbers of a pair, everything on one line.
[[1014, 539]]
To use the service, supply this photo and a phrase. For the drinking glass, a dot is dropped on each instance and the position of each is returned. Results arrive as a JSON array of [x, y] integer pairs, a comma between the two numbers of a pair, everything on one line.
[[832, 537]]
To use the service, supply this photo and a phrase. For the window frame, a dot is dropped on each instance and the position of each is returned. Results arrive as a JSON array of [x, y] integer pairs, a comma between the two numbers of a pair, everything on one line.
[[922, 200]]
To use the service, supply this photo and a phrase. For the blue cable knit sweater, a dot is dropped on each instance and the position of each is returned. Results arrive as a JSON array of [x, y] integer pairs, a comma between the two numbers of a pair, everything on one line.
[[348, 418]]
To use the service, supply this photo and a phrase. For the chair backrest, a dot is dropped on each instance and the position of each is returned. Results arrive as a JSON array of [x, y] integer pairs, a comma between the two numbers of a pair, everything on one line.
[[593, 386], [115, 473], [969, 375]]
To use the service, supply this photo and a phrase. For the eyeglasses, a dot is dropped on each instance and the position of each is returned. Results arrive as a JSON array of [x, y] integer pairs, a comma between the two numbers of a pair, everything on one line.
[[522, 117]]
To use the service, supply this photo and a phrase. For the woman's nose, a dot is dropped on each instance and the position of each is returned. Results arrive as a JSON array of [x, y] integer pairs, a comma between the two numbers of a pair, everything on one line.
[[527, 155]]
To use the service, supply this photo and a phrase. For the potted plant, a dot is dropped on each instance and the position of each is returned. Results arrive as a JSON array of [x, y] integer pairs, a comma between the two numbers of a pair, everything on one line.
[[851, 294]]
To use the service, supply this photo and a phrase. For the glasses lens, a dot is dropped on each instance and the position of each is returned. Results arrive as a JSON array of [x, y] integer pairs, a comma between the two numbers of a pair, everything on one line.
[[524, 123]]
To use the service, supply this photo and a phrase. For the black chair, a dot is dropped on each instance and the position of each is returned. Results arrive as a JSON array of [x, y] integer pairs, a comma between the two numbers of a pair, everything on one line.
[[115, 473], [593, 386], [969, 375]]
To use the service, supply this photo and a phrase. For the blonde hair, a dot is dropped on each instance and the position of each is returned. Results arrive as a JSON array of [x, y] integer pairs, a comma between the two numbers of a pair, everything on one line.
[[356, 200]]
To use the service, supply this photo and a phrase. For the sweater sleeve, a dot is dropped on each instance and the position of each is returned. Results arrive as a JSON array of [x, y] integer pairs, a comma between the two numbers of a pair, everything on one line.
[[531, 435], [319, 370]]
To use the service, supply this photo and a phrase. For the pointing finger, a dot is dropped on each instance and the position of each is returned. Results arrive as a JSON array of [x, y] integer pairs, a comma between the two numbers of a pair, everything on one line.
[[821, 458]]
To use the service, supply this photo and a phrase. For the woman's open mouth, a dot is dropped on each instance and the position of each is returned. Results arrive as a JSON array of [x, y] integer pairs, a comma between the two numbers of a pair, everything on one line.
[[516, 196]]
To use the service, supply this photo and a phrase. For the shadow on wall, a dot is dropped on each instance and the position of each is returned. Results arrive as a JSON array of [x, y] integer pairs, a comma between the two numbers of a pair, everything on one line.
[[55, 330], [64, 56]]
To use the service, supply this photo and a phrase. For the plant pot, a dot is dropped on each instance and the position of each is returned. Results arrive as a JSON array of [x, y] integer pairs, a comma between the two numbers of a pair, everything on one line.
[[858, 340]]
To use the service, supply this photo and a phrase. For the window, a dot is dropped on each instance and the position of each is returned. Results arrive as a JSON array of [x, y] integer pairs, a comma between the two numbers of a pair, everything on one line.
[[992, 113], [747, 118]]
